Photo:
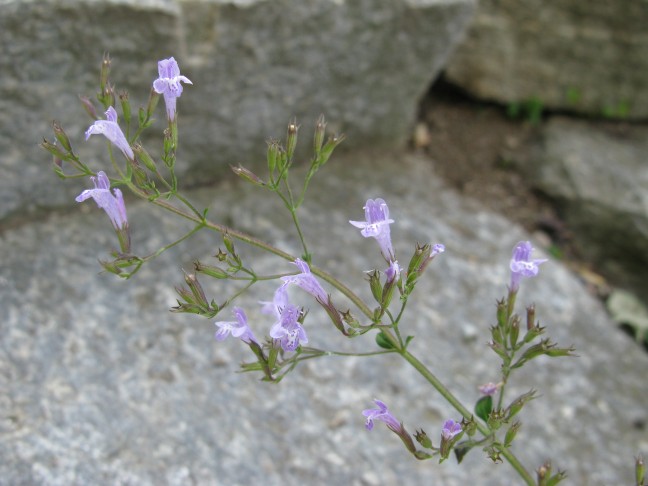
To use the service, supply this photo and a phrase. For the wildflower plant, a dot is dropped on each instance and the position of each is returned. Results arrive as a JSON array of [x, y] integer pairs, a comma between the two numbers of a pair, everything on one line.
[[490, 424]]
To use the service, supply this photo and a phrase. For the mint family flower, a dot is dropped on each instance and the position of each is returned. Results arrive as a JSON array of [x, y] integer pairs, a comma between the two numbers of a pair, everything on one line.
[[489, 389], [392, 273], [112, 204], [450, 429], [306, 281], [168, 84], [377, 226], [383, 414], [287, 329], [109, 128], [238, 328], [522, 266]]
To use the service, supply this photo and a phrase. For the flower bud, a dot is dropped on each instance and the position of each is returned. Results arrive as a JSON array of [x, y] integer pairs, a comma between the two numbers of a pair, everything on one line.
[[318, 138], [125, 104], [105, 73], [61, 136], [530, 320], [533, 333], [517, 404], [144, 157], [328, 148], [511, 433], [291, 140], [88, 107], [350, 320], [54, 149], [153, 99], [196, 290], [247, 175], [640, 471], [272, 155], [422, 438], [502, 314], [214, 272], [375, 285], [229, 243], [514, 331]]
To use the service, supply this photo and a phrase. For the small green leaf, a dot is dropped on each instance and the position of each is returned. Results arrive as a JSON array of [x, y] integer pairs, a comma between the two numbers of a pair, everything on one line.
[[383, 341], [483, 407]]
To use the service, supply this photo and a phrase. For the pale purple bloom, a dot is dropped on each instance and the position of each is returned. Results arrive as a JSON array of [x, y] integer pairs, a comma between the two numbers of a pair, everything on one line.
[[287, 329], [304, 280], [383, 414], [489, 389], [279, 301], [112, 204], [110, 129], [377, 226], [450, 429], [238, 328], [522, 266], [392, 273], [436, 249], [168, 84]]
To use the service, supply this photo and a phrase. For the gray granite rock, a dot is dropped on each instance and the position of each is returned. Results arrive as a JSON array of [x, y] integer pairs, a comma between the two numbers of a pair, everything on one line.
[[599, 177], [102, 385], [254, 64], [576, 55]]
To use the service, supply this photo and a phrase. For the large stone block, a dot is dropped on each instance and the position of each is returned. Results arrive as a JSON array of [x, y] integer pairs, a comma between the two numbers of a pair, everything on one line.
[[577, 55], [254, 64]]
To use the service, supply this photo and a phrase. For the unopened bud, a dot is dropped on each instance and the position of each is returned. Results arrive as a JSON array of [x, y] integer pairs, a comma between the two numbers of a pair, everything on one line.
[[530, 317], [423, 439], [229, 243], [272, 155], [54, 149], [511, 433], [105, 72], [153, 99], [125, 104], [318, 138], [421, 253], [517, 404], [291, 139], [640, 471], [247, 175], [88, 107], [196, 289], [144, 157], [514, 331], [328, 148], [502, 314], [61, 136], [212, 271], [375, 285]]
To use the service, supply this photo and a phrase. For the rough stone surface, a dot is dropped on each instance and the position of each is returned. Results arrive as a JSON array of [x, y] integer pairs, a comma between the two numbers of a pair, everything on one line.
[[599, 176], [101, 385], [582, 56], [254, 64]]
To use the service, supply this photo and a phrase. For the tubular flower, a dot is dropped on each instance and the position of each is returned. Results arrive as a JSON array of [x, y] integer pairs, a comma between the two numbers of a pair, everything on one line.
[[168, 84], [377, 226], [109, 128], [522, 266]]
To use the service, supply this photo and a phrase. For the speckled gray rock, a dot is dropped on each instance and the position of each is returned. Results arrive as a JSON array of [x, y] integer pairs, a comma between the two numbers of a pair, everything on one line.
[[254, 64], [586, 57], [599, 177], [101, 385]]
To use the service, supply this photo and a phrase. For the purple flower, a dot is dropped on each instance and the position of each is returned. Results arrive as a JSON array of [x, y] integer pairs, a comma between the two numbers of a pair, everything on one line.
[[110, 129], [306, 281], [489, 389], [168, 84], [383, 414], [450, 429], [238, 328], [287, 329], [522, 266], [377, 226], [112, 204], [392, 273]]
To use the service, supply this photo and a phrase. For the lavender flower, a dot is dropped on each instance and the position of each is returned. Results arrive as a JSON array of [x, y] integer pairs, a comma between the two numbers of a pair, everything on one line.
[[287, 329], [306, 281], [522, 266], [110, 129], [377, 226], [112, 204], [489, 389], [383, 414], [239, 328], [392, 273], [450, 429], [168, 84]]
